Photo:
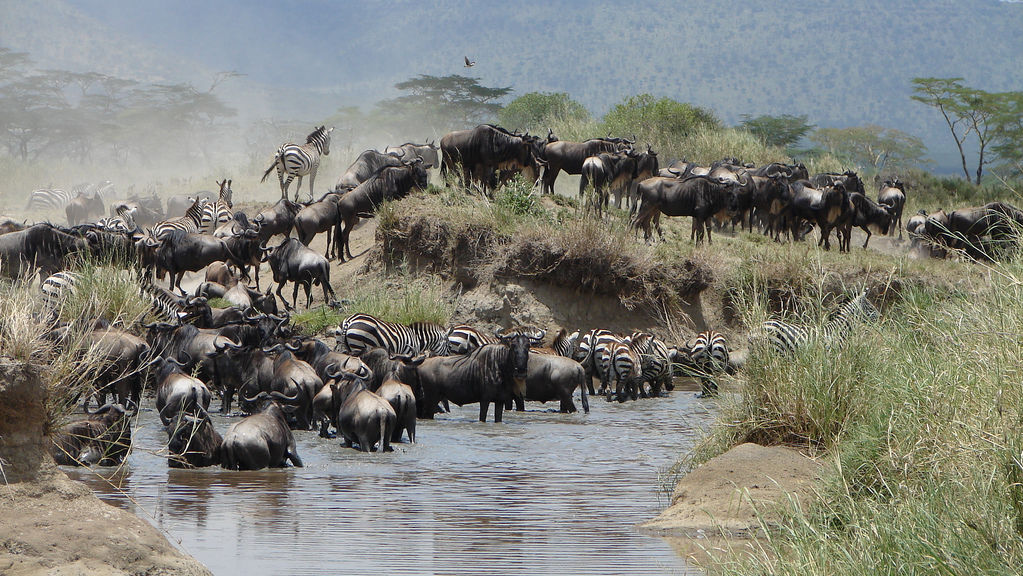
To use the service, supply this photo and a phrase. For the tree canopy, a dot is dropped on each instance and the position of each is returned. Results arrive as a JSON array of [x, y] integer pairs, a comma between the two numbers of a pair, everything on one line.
[[441, 103], [537, 111], [658, 121], [785, 131], [872, 146]]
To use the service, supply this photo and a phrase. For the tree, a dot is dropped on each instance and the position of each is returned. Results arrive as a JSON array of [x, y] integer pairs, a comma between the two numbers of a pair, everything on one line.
[[537, 110], [1008, 136], [442, 102], [784, 131], [872, 146], [659, 121], [967, 111]]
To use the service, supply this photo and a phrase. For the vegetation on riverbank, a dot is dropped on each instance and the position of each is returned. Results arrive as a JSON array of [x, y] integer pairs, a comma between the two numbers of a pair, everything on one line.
[[919, 418]]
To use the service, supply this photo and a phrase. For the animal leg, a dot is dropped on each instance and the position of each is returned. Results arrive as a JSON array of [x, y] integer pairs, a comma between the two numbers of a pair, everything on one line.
[[484, 406]]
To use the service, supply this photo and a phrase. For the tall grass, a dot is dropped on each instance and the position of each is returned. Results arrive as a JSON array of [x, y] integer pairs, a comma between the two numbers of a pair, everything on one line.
[[920, 416]]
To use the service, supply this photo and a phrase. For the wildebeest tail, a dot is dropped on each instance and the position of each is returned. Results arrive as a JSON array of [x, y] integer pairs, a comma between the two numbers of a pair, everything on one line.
[[582, 393]]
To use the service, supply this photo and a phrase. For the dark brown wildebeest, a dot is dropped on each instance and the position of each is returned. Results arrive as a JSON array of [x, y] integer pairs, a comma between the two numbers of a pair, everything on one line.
[[698, 196], [552, 377], [179, 393], [866, 215], [486, 150], [181, 252], [893, 193], [290, 261], [569, 156], [277, 219], [103, 438], [364, 418], [494, 373], [192, 441], [849, 179], [82, 208], [391, 183], [429, 152], [825, 207], [262, 440], [606, 172], [366, 165], [403, 401], [320, 216], [42, 247], [294, 384]]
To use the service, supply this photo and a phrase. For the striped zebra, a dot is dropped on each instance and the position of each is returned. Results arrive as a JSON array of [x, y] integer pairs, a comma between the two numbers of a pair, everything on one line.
[[463, 339], [655, 361], [218, 211], [706, 357], [49, 199], [190, 222], [565, 344], [360, 332], [295, 160], [123, 223], [621, 365], [786, 337], [57, 287], [162, 303]]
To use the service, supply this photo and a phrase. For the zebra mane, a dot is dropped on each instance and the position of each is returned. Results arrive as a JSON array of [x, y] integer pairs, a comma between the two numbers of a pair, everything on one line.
[[320, 131]]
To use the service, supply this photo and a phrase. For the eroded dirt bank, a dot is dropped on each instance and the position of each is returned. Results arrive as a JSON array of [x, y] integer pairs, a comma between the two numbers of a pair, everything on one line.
[[50, 524]]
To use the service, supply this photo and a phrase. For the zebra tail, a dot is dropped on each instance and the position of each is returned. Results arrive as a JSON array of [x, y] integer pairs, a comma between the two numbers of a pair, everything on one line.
[[277, 158]]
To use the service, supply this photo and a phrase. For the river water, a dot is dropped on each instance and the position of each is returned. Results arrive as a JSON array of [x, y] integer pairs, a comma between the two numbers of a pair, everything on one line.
[[542, 493]]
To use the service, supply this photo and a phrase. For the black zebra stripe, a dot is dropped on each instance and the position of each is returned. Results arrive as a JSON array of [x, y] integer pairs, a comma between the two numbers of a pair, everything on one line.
[[295, 160], [360, 332]]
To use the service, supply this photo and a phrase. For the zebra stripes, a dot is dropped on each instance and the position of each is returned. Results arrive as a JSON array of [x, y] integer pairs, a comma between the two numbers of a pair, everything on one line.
[[57, 287], [360, 332], [50, 199], [708, 356], [123, 223], [163, 304], [463, 339], [295, 160], [655, 361], [218, 211], [786, 337], [190, 222]]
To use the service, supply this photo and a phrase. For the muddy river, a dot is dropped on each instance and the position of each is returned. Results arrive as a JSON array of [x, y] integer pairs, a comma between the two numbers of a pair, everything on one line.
[[542, 493]]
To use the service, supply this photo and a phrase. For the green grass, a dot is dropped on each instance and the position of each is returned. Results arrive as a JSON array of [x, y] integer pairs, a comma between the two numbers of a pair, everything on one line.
[[919, 418]]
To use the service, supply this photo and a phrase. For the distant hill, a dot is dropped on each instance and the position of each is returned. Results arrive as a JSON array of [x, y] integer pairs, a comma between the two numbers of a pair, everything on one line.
[[840, 63]]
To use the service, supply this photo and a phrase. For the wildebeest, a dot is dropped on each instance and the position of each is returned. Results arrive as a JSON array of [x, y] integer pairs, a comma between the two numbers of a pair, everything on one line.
[[770, 200], [82, 208], [293, 385], [849, 179], [192, 441], [824, 207], [320, 216], [366, 165], [550, 377], [403, 401], [866, 215], [179, 393], [181, 252], [409, 151], [893, 194], [494, 373], [390, 183], [363, 418], [277, 219], [569, 156], [42, 247], [123, 359], [290, 261], [487, 149], [11, 225], [262, 440], [607, 172], [698, 196], [103, 438]]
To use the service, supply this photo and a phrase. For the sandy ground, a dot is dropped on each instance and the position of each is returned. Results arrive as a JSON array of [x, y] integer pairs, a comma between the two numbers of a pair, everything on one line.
[[725, 502]]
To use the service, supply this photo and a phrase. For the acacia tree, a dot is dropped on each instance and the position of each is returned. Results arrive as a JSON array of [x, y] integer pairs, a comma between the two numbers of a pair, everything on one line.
[[535, 111], [440, 103], [967, 111], [872, 146], [784, 131]]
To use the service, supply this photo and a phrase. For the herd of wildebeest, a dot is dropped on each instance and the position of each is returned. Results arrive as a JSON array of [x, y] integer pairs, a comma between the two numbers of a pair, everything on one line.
[[379, 377]]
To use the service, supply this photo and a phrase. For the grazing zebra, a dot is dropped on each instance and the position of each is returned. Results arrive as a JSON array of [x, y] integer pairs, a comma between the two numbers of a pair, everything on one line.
[[360, 332], [190, 222], [123, 223], [707, 356], [219, 211], [655, 361], [49, 199], [786, 337], [295, 160], [57, 287], [463, 339]]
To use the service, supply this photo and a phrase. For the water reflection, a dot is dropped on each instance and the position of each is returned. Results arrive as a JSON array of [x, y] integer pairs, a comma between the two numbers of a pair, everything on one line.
[[543, 493]]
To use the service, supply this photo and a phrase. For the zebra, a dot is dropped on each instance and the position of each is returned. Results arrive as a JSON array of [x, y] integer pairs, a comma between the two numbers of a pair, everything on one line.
[[565, 344], [463, 339], [219, 211], [706, 356], [655, 361], [163, 303], [49, 199], [621, 364], [123, 223], [295, 160], [360, 332], [190, 222], [786, 337], [57, 287]]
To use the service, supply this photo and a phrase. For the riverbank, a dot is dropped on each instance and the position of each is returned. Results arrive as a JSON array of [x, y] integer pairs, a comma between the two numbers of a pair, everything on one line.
[[50, 524]]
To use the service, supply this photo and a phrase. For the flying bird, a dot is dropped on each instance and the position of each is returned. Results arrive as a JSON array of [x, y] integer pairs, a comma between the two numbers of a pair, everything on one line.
[[469, 63]]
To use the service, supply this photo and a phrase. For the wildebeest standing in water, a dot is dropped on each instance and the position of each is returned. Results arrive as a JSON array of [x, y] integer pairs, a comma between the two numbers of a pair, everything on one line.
[[262, 440], [103, 438]]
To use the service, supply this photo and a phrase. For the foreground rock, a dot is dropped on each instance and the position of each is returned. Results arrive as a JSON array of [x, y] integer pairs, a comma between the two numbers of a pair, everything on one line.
[[732, 494], [50, 524]]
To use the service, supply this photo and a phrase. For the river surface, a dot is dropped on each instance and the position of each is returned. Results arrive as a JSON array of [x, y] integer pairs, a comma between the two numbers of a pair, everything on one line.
[[542, 493]]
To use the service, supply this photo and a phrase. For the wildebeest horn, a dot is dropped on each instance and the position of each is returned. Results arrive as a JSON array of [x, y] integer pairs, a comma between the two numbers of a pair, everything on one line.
[[227, 345], [279, 396], [292, 347], [273, 349], [253, 399]]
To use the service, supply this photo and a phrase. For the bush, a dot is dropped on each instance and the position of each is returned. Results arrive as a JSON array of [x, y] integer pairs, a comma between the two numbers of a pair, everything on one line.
[[537, 111]]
